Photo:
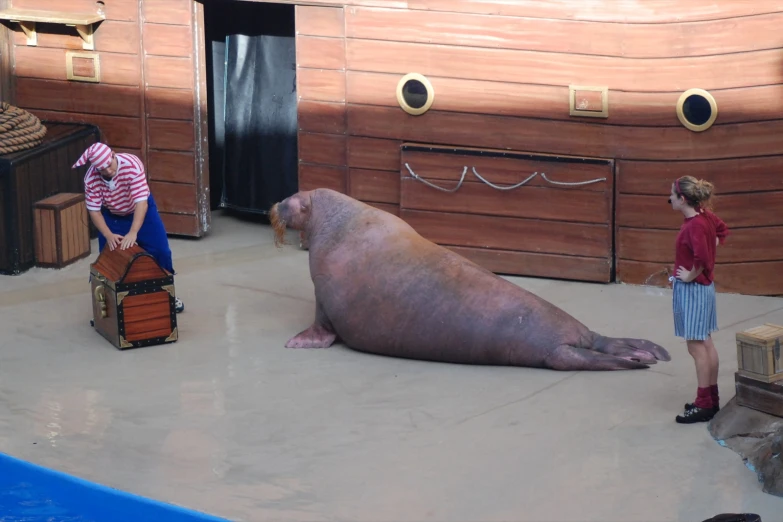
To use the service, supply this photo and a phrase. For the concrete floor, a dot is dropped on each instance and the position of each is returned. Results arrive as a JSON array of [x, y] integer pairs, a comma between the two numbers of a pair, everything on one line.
[[230, 422]]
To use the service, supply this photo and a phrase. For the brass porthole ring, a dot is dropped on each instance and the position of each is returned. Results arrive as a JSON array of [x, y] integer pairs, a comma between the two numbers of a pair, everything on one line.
[[415, 94], [697, 110]]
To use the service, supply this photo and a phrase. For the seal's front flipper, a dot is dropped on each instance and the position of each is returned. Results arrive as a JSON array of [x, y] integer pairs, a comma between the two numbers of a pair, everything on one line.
[[571, 358], [314, 337], [319, 335], [635, 349]]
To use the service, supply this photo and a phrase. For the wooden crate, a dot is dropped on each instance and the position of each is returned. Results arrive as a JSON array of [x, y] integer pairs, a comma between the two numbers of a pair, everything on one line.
[[34, 174], [132, 299], [759, 395], [62, 230], [759, 354]]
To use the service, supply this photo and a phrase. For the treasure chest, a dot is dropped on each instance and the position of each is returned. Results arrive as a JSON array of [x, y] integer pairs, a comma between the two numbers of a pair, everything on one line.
[[132, 299], [759, 354]]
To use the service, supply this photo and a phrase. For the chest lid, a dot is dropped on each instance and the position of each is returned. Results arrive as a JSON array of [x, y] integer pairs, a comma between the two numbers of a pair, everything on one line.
[[133, 266]]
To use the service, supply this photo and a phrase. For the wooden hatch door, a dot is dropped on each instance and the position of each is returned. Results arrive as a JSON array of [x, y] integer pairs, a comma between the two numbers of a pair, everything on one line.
[[511, 212]]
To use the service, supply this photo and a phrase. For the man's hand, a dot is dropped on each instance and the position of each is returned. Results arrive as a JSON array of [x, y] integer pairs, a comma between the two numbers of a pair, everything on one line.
[[128, 241], [113, 240]]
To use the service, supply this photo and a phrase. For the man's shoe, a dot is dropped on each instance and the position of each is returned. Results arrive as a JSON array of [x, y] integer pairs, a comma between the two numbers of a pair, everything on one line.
[[695, 414], [735, 517], [178, 306]]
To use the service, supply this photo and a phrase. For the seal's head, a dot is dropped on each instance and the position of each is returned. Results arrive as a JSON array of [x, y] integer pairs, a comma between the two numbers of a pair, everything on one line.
[[293, 212]]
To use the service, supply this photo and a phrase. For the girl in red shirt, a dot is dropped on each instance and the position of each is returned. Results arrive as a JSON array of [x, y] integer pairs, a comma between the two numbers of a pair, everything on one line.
[[693, 300]]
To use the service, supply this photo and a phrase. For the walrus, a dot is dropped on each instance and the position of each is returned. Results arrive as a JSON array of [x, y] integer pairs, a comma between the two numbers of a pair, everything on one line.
[[382, 288]]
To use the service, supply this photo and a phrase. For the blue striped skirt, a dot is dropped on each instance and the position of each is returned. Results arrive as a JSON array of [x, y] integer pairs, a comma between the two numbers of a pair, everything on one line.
[[695, 314]]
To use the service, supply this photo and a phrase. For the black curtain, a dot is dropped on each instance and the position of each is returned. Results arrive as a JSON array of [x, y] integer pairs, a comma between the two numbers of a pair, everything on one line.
[[253, 141]]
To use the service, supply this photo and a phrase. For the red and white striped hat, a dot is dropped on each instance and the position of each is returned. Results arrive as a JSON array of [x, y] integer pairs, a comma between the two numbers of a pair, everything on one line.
[[98, 154]]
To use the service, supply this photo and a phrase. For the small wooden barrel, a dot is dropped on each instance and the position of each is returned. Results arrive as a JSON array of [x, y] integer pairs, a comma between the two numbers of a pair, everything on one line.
[[759, 353]]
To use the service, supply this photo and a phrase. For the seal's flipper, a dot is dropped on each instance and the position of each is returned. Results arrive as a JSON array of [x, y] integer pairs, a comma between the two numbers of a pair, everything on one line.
[[314, 337], [571, 358], [640, 349], [320, 334]]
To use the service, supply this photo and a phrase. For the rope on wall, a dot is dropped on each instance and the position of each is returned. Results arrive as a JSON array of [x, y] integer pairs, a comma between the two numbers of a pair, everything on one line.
[[19, 129], [498, 187]]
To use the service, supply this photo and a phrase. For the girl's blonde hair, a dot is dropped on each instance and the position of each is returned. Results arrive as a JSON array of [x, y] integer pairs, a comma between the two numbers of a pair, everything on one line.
[[697, 192]]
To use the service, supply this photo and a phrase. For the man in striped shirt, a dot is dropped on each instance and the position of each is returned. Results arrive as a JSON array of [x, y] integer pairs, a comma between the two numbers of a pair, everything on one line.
[[121, 205]]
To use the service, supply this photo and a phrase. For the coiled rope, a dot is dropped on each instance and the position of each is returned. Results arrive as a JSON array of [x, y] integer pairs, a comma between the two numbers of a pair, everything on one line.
[[19, 129]]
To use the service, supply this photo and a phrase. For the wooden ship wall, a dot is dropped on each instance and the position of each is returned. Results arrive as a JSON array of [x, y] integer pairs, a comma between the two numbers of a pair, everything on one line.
[[588, 96], [139, 84]]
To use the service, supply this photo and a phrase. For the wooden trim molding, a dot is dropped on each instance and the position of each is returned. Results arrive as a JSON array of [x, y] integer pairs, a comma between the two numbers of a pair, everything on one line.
[[201, 121]]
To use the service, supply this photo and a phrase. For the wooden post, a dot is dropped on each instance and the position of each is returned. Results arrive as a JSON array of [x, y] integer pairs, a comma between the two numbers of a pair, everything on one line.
[[6, 62]]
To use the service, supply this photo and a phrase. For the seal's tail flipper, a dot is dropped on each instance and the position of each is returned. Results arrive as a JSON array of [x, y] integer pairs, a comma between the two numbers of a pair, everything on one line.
[[314, 337], [571, 358], [639, 349]]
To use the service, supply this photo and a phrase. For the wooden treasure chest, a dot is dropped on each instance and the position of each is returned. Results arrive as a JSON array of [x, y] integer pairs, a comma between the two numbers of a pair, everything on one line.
[[759, 354], [132, 299]]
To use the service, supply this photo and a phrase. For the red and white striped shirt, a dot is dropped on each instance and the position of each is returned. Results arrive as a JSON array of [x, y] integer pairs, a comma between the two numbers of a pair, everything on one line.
[[121, 193]]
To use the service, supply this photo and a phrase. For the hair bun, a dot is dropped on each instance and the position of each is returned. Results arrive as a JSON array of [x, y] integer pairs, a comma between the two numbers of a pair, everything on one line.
[[703, 189]]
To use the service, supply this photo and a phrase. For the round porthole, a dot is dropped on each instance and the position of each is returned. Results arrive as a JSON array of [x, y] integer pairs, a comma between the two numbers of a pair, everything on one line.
[[697, 110], [415, 94]]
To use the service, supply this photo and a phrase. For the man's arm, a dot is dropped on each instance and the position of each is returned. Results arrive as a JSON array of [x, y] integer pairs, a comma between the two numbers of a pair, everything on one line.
[[112, 239], [99, 222], [139, 193], [138, 219], [138, 216]]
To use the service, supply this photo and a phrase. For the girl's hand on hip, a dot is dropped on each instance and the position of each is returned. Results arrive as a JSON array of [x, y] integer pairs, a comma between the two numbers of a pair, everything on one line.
[[683, 274]]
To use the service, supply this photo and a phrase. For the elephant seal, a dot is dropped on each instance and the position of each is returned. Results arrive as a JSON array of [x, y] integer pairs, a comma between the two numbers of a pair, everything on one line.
[[382, 288]]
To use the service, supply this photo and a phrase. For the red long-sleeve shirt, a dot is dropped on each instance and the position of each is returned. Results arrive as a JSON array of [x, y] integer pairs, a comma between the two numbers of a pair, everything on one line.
[[695, 245]]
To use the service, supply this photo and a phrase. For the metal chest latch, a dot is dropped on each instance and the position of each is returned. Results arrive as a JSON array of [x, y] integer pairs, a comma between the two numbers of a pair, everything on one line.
[[100, 297]]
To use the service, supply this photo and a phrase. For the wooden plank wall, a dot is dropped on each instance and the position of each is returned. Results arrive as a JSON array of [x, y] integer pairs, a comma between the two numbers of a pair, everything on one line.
[[320, 85], [144, 103], [501, 72], [167, 44], [537, 229]]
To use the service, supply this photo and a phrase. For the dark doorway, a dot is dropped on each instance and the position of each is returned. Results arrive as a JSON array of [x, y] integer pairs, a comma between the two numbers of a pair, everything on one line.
[[251, 90]]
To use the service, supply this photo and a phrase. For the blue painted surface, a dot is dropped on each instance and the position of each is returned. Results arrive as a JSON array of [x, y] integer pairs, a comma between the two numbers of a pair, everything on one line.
[[32, 493]]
